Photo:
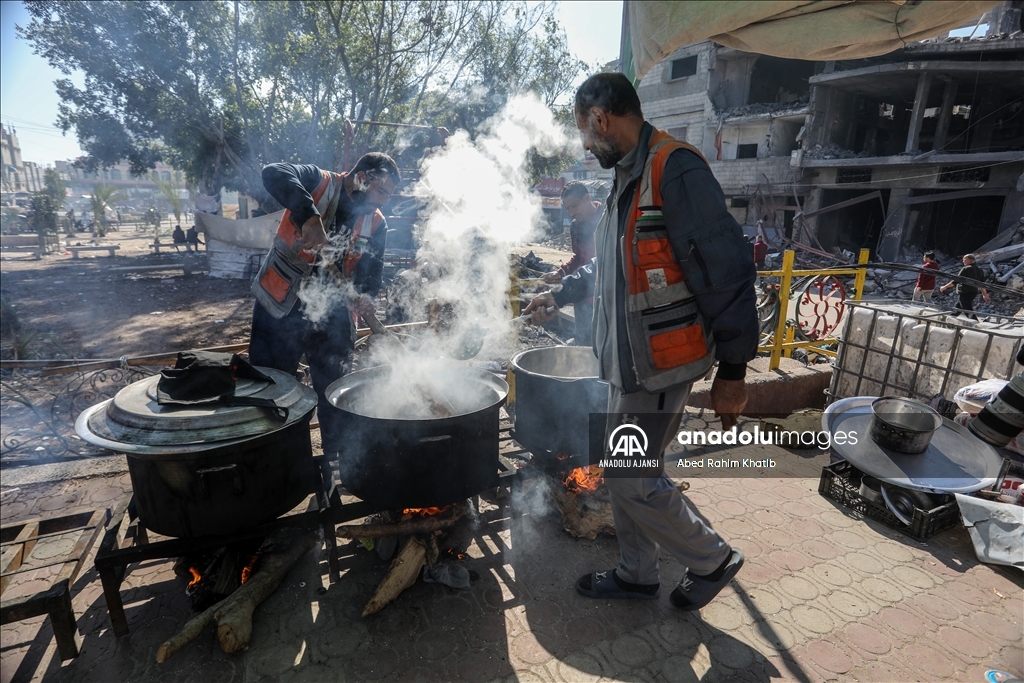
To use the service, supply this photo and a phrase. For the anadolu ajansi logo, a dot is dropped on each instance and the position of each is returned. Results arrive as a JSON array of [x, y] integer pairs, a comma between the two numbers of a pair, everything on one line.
[[628, 441]]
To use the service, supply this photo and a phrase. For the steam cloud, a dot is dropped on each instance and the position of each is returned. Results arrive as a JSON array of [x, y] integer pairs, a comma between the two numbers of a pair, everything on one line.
[[478, 204]]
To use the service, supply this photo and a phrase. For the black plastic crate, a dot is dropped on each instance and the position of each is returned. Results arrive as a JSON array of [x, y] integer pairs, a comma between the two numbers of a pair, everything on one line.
[[840, 482]]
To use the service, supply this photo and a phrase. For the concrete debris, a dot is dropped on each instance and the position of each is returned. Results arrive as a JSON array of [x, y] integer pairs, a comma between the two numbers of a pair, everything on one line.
[[758, 108], [833, 151], [925, 44]]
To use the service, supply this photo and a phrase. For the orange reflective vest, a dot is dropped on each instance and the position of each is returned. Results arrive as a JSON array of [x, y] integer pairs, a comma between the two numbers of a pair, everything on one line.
[[671, 344], [276, 286]]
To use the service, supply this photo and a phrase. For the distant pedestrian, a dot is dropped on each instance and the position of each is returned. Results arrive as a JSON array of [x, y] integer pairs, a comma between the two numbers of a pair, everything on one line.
[[760, 252], [926, 281], [192, 238], [968, 291], [178, 237]]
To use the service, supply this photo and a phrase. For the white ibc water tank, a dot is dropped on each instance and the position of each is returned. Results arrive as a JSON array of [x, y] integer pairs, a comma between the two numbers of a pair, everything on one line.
[[919, 352]]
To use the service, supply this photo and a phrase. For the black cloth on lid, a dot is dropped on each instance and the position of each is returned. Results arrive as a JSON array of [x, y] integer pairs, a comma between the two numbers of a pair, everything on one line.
[[208, 377]]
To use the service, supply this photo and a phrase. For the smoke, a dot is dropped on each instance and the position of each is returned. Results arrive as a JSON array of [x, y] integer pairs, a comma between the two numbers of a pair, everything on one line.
[[321, 294], [531, 502], [478, 204]]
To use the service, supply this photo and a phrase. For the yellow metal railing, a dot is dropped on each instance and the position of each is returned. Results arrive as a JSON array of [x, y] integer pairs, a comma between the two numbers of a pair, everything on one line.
[[783, 340]]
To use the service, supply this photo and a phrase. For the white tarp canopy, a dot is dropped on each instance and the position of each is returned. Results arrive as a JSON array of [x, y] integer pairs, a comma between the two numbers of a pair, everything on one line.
[[252, 233], [816, 30]]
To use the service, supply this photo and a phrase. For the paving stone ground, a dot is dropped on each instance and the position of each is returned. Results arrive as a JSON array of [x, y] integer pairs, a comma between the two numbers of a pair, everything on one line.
[[823, 597]]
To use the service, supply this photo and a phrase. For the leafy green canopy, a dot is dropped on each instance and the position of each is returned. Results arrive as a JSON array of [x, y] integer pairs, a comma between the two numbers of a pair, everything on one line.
[[218, 89]]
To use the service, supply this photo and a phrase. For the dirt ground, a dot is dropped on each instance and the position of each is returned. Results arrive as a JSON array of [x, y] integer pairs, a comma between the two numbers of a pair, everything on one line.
[[83, 308]]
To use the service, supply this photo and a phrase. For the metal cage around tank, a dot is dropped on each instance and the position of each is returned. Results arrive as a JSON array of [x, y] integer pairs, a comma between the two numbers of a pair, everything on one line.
[[898, 349]]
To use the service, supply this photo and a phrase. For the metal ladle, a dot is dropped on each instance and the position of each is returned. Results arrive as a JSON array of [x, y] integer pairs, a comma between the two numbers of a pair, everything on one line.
[[472, 340]]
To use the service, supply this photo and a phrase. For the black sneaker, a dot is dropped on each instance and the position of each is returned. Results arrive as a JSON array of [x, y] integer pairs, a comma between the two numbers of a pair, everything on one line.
[[694, 592]]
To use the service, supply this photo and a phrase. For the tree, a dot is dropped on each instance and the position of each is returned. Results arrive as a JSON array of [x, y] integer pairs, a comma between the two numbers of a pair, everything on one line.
[[44, 216], [218, 89], [103, 198], [54, 187]]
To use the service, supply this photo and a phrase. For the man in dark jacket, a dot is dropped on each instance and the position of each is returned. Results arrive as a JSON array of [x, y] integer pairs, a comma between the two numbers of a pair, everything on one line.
[[673, 287], [584, 214], [967, 291], [281, 330]]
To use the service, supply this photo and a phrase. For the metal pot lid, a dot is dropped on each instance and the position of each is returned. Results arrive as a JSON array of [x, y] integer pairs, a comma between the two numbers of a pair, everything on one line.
[[954, 462], [133, 418]]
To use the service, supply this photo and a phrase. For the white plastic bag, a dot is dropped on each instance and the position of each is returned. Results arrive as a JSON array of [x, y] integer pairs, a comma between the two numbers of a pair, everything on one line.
[[973, 397]]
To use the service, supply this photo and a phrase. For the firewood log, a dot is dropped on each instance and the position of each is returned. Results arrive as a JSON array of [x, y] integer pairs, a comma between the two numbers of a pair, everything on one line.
[[233, 615], [411, 526], [402, 573]]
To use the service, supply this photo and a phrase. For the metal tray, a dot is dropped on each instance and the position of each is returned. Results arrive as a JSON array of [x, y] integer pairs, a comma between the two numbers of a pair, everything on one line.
[[954, 462]]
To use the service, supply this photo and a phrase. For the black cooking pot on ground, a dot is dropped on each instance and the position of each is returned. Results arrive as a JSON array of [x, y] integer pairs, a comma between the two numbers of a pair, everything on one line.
[[206, 471], [557, 388], [402, 452]]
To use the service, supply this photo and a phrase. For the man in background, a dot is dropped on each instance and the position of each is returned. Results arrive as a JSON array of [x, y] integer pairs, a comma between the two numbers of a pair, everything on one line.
[[584, 214], [967, 291], [760, 252], [926, 281]]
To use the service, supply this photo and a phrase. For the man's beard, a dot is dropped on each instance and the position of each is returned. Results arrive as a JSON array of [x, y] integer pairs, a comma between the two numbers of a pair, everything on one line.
[[605, 152], [361, 203]]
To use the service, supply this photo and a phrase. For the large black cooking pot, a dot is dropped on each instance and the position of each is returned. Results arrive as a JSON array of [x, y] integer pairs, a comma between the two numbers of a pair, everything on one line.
[[398, 454], [206, 471], [557, 388]]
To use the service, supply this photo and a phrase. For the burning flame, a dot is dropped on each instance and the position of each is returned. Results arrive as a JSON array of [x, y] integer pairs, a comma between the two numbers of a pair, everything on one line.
[[425, 512], [562, 456], [584, 479], [247, 570], [196, 578]]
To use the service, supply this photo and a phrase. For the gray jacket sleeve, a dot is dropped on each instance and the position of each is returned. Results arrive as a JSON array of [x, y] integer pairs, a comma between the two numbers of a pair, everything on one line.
[[709, 246], [576, 287]]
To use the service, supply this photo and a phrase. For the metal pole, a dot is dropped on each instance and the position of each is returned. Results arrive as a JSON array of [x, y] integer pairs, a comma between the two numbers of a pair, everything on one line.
[[862, 273], [780, 325]]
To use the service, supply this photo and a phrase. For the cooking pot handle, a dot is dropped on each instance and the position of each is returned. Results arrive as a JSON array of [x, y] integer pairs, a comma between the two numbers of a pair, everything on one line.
[[237, 485]]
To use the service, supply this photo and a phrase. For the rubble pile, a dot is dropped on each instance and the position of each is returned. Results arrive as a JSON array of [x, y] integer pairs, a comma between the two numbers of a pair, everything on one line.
[[925, 44], [1001, 266], [832, 151], [758, 108]]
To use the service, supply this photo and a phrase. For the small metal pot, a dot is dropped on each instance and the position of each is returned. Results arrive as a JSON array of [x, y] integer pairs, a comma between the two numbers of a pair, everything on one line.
[[903, 425], [557, 388]]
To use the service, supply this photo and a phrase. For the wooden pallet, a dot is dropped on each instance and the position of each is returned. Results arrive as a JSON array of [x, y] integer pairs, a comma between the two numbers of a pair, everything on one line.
[[17, 542]]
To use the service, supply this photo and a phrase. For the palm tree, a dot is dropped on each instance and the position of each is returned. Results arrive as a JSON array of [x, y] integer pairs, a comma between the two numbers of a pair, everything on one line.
[[103, 198], [172, 191]]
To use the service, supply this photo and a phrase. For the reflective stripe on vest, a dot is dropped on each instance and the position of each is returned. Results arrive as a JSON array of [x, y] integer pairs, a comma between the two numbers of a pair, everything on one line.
[[670, 343], [276, 286]]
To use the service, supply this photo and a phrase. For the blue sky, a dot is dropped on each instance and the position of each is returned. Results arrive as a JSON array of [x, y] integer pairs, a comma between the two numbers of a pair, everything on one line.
[[28, 100]]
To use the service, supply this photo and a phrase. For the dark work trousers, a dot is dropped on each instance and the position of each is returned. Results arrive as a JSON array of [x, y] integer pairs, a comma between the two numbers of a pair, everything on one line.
[[583, 312], [279, 344], [966, 304]]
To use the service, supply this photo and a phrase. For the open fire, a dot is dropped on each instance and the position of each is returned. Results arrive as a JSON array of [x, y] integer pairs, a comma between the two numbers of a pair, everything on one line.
[[426, 512], [583, 479], [214, 576]]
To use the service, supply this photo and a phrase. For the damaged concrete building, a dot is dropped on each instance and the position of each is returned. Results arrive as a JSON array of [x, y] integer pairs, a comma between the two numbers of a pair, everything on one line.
[[922, 148]]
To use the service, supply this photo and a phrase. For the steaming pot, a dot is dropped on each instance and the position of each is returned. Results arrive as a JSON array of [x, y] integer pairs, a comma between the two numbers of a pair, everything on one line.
[[557, 388], [395, 461], [206, 471]]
